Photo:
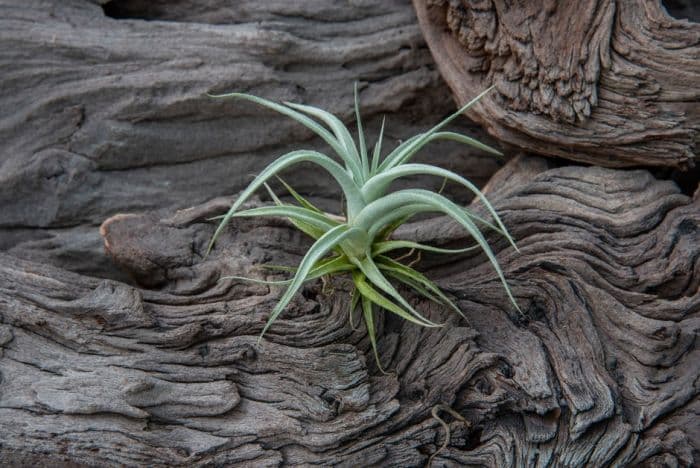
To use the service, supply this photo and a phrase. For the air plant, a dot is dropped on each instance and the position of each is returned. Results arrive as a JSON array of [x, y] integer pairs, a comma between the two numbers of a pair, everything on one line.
[[359, 244]]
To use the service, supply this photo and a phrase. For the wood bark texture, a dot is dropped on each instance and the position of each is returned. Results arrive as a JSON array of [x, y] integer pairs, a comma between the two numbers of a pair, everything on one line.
[[121, 345], [600, 369], [110, 115], [613, 83]]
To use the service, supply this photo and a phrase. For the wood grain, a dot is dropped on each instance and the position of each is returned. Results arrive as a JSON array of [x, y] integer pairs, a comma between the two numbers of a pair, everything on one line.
[[120, 345], [612, 83], [109, 115], [600, 369]]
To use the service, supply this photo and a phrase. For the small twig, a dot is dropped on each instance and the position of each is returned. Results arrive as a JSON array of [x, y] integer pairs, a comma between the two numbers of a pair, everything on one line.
[[455, 415], [406, 255], [416, 260]]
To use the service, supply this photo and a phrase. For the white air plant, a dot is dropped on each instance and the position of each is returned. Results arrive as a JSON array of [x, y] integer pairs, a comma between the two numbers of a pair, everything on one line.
[[359, 244]]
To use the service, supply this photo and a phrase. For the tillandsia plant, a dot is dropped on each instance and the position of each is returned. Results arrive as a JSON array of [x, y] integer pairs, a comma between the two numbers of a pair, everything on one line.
[[359, 244]]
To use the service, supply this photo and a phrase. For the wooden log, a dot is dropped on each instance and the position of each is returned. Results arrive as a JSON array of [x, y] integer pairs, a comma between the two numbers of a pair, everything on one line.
[[600, 369], [611, 83], [109, 114], [157, 363]]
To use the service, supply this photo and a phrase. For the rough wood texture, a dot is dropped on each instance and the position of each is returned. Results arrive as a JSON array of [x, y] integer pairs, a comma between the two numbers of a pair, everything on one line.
[[612, 83], [601, 369], [109, 115], [157, 363]]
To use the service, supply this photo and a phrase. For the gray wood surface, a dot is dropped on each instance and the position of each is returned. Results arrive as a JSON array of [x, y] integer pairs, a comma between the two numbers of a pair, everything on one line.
[[120, 345], [600, 369], [103, 115], [611, 83]]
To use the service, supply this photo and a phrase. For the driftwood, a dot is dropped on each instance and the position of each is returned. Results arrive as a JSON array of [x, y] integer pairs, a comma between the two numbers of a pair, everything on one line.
[[110, 115], [613, 83], [600, 369], [120, 345]]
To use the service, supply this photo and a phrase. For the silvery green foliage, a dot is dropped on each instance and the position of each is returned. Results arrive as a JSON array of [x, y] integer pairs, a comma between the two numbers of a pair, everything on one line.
[[360, 244]]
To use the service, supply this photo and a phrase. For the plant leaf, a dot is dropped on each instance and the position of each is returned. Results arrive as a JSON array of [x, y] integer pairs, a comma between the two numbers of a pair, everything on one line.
[[324, 267], [389, 221], [407, 275], [350, 189], [361, 136], [404, 152], [401, 149], [271, 266], [385, 232], [341, 133], [373, 295], [375, 276], [308, 229], [394, 201], [320, 248], [458, 137], [378, 184], [288, 211], [368, 315], [377, 153], [331, 266], [415, 286], [301, 200], [328, 137], [385, 223], [379, 248], [255, 280]]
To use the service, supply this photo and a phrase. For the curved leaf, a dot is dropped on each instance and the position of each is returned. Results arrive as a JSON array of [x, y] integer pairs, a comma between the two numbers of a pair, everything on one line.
[[373, 295], [413, 278], [379, 248], [458, 137], [416, 287], [375, 276], [327, 267], [404, 152], [377, 185], [328, 137], [401, 213], [320, 248], [288, 211], [368, 315], [308, 229], [377, 153], [350, 189], [403, 147], [396, 200], [301, 200], [255, 280], [341, 133]]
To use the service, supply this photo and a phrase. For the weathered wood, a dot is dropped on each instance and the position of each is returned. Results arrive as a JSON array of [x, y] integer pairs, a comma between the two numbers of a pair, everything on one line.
[[612, 83], [157, 363], [110, 115], [601, 368]]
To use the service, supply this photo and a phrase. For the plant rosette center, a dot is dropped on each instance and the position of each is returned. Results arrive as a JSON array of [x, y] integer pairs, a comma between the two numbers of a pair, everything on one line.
[[360, 245]]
